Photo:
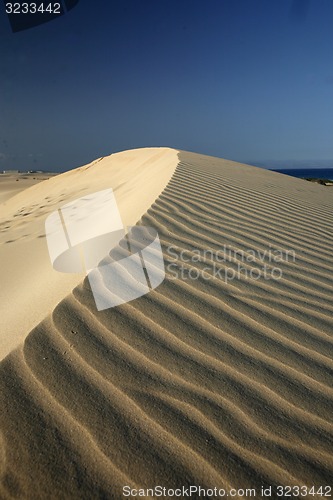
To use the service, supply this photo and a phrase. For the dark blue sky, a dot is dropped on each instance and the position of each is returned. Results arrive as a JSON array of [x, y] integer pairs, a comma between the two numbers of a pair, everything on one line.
[[247, 80]]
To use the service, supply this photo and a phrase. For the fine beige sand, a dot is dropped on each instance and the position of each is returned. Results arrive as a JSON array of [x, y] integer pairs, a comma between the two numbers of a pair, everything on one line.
[[12, 184], [206, 381]]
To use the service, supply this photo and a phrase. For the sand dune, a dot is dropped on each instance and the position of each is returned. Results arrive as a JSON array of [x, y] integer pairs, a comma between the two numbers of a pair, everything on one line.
[[137, 178], [206, 380]]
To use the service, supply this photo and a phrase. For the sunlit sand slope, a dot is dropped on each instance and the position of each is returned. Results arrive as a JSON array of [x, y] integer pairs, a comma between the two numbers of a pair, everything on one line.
[[212, 382], [30, 287]]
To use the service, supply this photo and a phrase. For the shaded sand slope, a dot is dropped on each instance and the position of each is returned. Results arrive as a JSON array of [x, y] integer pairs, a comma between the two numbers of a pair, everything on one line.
[[137, 178], [199, 382]]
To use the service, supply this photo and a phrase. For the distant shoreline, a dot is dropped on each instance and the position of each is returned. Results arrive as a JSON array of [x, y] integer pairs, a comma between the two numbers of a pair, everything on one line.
[[313, 174]]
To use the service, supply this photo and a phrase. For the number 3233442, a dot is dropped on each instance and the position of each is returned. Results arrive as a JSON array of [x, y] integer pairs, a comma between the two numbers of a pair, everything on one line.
[[33, 8]]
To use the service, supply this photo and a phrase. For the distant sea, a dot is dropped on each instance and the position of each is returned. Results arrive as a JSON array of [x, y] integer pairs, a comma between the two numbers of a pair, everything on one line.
[[317, 173]]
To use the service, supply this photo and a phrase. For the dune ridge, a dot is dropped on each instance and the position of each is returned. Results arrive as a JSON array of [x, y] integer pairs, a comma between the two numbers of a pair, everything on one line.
[[201, 382]]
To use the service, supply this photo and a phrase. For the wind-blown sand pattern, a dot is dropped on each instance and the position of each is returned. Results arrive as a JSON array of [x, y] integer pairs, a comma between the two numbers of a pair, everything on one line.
[[199, 382]]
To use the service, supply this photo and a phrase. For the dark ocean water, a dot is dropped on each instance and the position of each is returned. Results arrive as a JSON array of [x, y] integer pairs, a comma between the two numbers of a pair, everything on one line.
[[318, 173]]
